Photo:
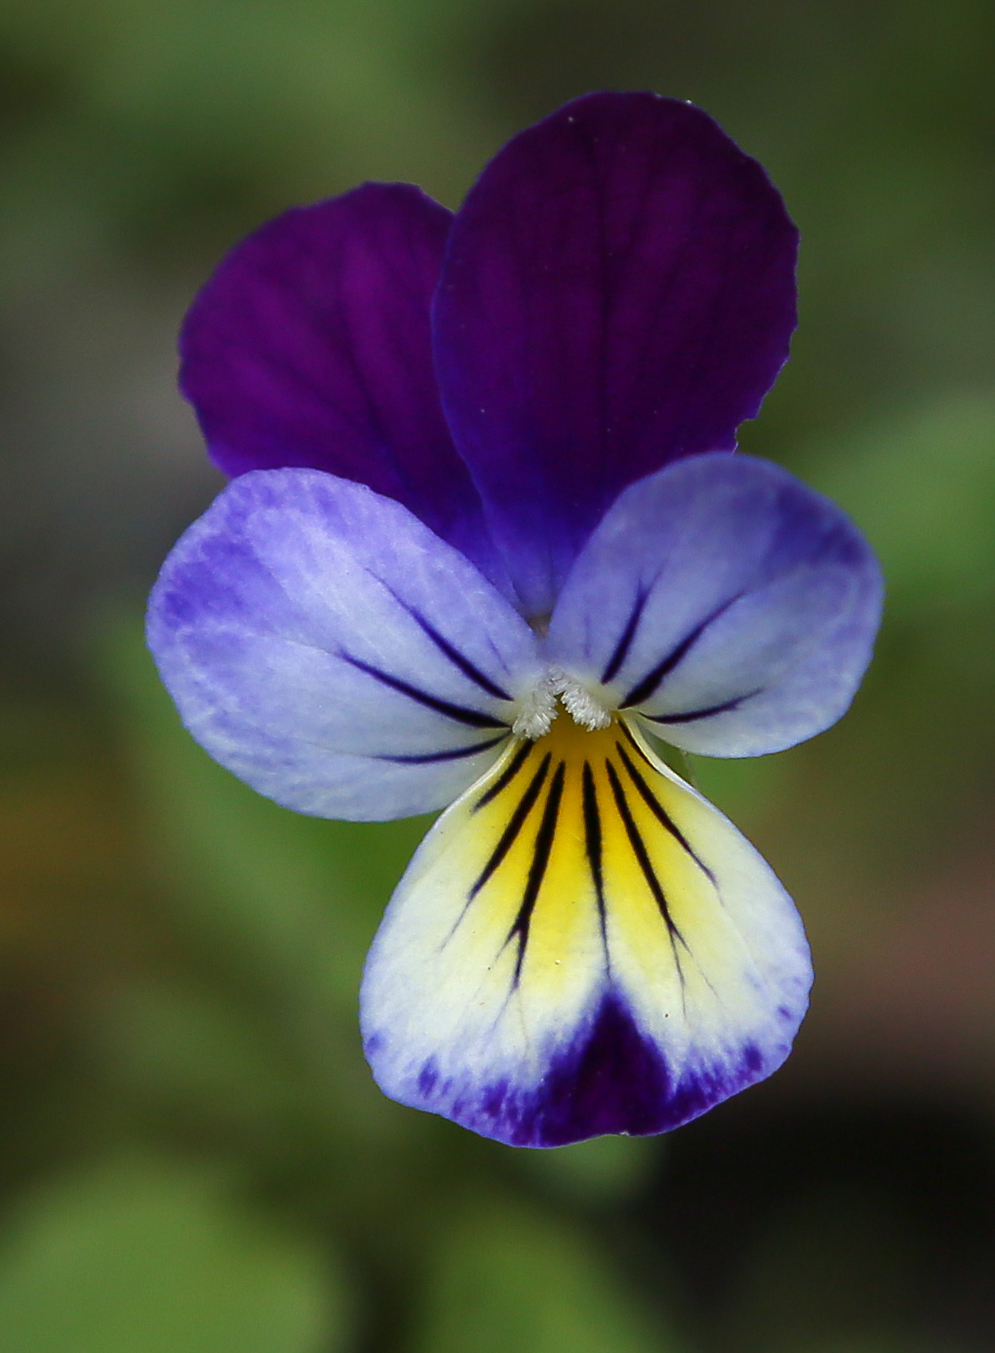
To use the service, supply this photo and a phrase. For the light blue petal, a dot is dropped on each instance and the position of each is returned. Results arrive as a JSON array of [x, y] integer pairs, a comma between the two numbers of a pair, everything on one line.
[[727, 604], [582, 945], [327, 647]]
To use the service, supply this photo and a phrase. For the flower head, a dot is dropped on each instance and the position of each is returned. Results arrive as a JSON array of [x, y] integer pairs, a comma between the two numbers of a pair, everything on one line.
[[486, 544]]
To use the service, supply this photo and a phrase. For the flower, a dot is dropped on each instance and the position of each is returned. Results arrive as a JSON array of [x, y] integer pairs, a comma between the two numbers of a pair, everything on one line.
[[485, 544]]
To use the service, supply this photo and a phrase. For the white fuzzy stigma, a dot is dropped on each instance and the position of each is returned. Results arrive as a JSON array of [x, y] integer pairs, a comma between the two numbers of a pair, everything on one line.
[[540, 705], [583, 707], [538, 710]]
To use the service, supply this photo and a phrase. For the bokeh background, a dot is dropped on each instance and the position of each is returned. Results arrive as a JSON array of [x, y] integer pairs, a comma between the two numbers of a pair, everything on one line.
[[193, 1158]]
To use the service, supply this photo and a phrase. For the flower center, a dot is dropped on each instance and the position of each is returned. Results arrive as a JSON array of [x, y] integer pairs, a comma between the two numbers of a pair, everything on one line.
[[540, 707]]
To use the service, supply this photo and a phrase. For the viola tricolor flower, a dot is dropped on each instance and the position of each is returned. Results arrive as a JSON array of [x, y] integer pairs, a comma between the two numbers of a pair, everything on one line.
[[486, 543]]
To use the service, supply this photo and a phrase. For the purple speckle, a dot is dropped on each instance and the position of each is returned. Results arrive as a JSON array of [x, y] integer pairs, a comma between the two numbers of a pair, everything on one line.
[[752, 1057], [428, 1078]]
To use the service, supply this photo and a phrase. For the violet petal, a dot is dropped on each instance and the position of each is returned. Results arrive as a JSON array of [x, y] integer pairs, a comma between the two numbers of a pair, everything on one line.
[[321, 643], [728, 605], [618, 292], [310, 346]]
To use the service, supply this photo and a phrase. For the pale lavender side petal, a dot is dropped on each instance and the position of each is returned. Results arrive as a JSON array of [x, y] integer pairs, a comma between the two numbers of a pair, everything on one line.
[[724, 602], [324, 645], [310, 346], [618, 292]]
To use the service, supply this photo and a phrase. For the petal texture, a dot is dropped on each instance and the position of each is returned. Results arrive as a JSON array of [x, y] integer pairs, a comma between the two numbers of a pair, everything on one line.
[[582, 945], [310, 346], [727, 604], [618, 291], [324, 645]]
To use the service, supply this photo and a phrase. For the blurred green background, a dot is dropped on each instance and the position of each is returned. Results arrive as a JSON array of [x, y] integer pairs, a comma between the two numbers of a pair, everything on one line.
[[193, 1158]]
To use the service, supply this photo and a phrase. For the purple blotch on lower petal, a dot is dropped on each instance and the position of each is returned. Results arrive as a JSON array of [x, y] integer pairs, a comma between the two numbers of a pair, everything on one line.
[[611, 1080], [616, 1081]]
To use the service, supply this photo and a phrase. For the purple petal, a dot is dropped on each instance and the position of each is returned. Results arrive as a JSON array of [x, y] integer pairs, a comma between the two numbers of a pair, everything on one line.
[[726, 604], [310, 347], [618, 292], [324, 645]]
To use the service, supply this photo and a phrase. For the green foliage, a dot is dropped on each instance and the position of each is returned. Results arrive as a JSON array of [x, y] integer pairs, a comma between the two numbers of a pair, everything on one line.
[[507, 1280], [257, 1027], [604, 1169], [148, 1256], [922, 485]]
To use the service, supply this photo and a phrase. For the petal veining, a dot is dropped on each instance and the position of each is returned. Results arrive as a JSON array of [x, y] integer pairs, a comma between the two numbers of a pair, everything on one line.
[[322, 643], [724, 602], [582, 945], [618, 291]]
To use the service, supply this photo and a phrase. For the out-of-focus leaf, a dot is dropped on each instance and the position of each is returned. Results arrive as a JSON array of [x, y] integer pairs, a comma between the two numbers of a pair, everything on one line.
[[923, 489], [602, 1170], [511, 1280], [186, 124], [148, 1257], [299, 898], [744, 788], [177, 1045], [280, 907]]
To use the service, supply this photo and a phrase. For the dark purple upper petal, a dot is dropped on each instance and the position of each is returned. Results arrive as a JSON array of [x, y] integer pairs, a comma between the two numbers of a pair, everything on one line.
[[618, 292], [310, 347]]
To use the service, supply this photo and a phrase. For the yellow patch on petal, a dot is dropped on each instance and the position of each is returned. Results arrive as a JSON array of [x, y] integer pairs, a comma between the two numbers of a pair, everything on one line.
[[583, 852], [581, 870]]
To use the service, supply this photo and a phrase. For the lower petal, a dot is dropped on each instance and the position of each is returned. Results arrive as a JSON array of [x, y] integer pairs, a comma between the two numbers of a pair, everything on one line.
[[582, 945]]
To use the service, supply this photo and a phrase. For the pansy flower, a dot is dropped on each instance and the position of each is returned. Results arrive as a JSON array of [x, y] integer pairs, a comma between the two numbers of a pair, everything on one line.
[[485, 546]]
